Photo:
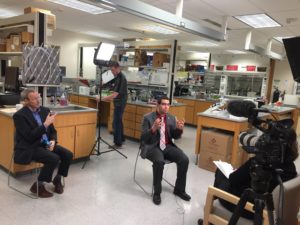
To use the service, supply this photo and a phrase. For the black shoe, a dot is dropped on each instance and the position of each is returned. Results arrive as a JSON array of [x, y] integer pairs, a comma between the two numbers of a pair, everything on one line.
[[182, 195], [200, 221], [156, 199], [115, 146]]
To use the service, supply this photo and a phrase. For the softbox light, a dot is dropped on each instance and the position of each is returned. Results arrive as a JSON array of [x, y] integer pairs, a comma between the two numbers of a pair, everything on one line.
[[103, 54]]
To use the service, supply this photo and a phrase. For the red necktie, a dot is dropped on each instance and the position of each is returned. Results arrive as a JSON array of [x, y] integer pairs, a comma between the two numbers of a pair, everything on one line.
[[162, 142]]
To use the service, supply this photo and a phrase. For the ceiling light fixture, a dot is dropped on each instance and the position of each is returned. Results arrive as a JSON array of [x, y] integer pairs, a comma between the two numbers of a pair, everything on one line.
[[159, 29], [203, 43], [236, 51], [75, 4], [258, 20]]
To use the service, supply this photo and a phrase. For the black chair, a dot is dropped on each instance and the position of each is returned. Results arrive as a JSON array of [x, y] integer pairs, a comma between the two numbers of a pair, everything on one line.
[[138, 183]]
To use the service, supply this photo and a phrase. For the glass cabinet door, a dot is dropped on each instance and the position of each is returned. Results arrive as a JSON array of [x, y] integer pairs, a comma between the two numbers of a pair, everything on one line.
[[244, 85]]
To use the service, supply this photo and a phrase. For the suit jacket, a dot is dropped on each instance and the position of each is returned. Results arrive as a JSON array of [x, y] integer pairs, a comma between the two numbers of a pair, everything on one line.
[[149, 140], [28, 133]]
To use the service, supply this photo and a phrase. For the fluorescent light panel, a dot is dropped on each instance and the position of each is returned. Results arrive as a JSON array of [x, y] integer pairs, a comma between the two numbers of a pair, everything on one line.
[[258, 20], [75, 4], [203, 43], [105, 52], [159, 29], [236, 51]]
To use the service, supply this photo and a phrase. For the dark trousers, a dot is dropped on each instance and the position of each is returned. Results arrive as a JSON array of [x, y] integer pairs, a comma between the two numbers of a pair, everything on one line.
[[118, 124], [223, 183], [51, 159], [173, 154]]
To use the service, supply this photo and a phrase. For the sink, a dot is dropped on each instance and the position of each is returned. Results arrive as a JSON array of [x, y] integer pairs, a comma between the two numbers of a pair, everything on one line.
[[68, 108]]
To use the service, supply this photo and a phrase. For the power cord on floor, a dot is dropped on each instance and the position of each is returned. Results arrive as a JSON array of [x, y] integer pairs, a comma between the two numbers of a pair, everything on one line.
[[180, 209]]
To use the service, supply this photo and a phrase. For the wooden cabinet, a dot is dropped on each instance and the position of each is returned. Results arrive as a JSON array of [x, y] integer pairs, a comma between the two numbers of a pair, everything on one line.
[[85, 138], [193, 106], [66, 137], [133, 116]]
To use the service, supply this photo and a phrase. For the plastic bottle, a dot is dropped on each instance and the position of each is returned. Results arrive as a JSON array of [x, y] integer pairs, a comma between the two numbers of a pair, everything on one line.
[[63, 100]]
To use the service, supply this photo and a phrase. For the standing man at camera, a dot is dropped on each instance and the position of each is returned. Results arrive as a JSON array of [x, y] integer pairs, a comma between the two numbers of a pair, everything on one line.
[[158, 130], [119, 97], [36, 140]]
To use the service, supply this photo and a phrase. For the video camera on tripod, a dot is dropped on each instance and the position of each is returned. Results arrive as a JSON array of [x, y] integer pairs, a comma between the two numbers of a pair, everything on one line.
[[270, 151]]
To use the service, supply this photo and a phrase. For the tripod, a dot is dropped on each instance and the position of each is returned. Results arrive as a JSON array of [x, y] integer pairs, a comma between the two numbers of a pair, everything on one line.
[[260, 179], [99, 138]]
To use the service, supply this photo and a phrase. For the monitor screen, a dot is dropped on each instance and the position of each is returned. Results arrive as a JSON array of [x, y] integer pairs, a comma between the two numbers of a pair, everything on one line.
[[292, 48], [11, 82]]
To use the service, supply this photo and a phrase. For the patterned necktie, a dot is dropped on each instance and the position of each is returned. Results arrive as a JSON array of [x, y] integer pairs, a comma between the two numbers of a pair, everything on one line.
[[162, 142]]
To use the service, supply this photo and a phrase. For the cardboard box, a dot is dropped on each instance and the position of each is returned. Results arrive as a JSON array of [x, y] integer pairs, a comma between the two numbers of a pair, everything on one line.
[[33, 10], [11, 45], [216, 142], [51, 19], [159, 59], [26, 37], [206, 160], [2, 47]]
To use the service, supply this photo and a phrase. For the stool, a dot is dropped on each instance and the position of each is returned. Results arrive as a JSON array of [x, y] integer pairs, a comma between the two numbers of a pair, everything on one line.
[[136, 181], [36, 171]]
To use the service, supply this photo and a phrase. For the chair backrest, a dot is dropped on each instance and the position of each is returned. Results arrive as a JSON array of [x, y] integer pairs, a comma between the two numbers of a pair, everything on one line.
[[291, 200]]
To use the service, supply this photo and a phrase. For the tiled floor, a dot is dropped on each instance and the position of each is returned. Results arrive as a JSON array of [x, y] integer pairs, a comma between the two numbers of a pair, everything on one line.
[[104, 193]]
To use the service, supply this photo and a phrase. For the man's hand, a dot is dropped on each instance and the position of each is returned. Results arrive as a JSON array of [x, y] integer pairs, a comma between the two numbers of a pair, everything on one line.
[[180, 124], [156, 125], [49, 120], [51, 146]]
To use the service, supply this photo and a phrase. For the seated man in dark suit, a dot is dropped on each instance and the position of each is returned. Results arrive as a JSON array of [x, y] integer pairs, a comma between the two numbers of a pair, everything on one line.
[[36, 140], [158, 130]]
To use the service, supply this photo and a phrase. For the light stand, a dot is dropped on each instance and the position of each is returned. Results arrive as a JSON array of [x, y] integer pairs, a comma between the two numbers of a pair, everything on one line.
[[101, 58]]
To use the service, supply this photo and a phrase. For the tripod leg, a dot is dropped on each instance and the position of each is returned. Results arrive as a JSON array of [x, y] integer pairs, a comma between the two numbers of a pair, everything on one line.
[[258, 215], [270, 209], [93, 148], [239, 208], [113, 149]]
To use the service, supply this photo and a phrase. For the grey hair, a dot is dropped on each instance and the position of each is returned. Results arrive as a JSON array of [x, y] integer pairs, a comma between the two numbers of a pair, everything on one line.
[[25, 93]]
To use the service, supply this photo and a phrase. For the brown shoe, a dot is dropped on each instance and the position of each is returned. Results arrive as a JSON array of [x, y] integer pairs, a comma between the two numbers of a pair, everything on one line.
[[43, 193], [59, 188]]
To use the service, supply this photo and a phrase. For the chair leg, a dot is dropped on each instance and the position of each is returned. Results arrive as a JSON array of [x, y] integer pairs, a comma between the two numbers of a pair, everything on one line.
[[136, 181], [17, 190]]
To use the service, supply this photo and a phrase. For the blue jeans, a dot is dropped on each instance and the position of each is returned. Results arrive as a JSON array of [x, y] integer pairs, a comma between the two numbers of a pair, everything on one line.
[[118, 124]]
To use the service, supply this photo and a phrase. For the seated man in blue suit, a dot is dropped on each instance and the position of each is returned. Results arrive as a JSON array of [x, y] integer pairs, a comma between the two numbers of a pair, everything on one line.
[[158, 130], [36, 140]]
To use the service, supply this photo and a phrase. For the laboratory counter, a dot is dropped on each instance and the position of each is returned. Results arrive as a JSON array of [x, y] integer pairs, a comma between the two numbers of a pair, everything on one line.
[[76, 131]]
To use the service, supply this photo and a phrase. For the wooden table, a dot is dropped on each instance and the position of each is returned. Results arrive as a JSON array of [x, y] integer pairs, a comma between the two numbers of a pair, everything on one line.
[[234, 125]]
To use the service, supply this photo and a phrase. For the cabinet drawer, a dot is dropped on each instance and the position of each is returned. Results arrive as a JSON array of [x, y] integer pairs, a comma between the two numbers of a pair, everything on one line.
[[137, 134], [129, 124], [83, 100], [129, 132], [139, 118], [189, 102], [129, 116], [143, 110], [130, 108]]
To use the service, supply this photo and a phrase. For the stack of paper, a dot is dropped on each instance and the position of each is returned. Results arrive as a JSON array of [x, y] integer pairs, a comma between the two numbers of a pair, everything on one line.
[[225, 167]]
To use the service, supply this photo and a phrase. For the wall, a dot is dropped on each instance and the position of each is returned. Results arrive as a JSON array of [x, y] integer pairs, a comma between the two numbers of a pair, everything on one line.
[[68, 42], [283, 77]]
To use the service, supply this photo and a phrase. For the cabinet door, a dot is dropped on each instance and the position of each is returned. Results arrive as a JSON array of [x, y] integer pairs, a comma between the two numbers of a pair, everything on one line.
[[66, 137], [189, 114], [85, 139]]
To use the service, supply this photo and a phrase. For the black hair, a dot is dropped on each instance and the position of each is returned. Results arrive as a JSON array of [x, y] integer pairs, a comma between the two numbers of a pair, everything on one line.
[[114, 64], [163, 98]]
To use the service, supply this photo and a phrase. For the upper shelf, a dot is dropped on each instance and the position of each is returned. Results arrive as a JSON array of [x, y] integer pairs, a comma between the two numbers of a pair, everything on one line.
[[11, 53]]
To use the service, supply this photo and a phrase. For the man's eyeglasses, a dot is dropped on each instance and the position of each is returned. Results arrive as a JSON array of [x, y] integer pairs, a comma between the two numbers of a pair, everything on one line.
[[165, 104]]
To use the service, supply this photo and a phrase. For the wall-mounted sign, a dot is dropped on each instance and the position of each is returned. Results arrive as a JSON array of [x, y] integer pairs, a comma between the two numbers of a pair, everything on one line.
[[232, 67], [250, 68]]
